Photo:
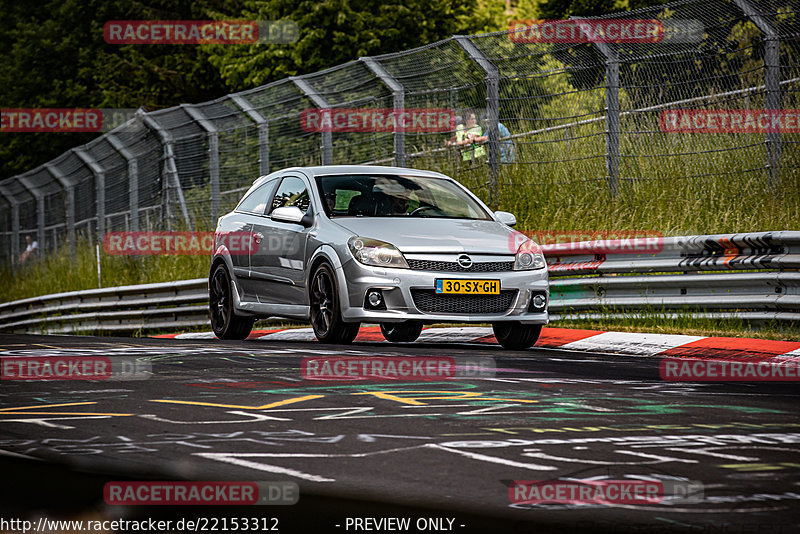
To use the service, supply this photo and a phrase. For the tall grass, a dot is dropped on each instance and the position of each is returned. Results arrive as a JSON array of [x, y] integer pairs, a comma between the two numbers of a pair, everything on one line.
[[62, 271], [675, 184]]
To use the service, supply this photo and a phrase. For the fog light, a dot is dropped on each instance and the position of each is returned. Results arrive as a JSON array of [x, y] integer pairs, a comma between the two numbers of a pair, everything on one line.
[[374, 300], [538, 303]]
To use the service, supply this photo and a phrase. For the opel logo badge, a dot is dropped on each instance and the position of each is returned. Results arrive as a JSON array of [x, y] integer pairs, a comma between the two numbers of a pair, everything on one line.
[[465, 261]]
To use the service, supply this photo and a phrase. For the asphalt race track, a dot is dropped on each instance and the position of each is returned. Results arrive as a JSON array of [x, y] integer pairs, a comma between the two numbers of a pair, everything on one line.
[[447, 449]]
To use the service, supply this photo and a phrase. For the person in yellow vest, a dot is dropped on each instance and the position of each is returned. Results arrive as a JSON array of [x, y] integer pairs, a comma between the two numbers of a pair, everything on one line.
[[467, 139]]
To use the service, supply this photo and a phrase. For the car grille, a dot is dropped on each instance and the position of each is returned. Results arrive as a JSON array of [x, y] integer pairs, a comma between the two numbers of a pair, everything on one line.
[[428, 301], [451, 266]]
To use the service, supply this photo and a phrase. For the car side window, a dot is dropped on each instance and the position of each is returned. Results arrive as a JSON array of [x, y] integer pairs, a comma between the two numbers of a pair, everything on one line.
[[292, 192], [256, 201]]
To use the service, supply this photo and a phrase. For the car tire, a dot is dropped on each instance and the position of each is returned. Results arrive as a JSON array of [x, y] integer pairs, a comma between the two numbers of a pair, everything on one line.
[[404, 332], [224, 321], [516, 336], [326, 312]]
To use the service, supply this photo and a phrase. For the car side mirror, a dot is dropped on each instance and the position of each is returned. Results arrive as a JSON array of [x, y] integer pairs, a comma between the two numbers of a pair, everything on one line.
[[291, 214], [505, 217]]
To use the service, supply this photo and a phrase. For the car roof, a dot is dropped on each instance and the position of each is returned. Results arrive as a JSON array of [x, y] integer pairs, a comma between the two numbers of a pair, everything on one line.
[[322, 170]]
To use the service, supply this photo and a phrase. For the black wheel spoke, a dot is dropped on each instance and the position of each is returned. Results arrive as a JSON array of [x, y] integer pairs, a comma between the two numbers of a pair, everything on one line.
[[325, 312], [323, 284], [321, 313], [219, 299]]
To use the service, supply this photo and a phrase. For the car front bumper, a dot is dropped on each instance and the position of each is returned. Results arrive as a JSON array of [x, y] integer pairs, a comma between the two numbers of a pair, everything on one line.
[[397, 286]]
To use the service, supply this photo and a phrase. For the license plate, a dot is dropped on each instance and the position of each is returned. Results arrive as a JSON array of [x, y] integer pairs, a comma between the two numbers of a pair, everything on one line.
[[468, 287]]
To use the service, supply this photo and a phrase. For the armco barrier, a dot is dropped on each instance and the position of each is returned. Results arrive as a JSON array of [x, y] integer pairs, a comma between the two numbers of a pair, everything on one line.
[[749, 276], [122, 309], [774, 251]]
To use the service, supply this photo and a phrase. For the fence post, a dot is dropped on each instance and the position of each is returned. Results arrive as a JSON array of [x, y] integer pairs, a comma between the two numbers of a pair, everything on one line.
[[14, 225], [398, 97], [39, 196], [612, 116], [99, 187], [263, 131], [170, 170], [320, 102], [772, 83], [69, 201], [133, 178], [492, 107], [213, 157]]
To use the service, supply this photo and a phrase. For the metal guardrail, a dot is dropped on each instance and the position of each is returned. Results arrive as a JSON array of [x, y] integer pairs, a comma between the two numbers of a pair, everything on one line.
[[722, 252], [123, 309], [743, 276], [750, 276]]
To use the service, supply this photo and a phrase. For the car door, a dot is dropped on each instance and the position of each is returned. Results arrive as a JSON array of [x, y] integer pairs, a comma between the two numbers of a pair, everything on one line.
[[250, 210], [277, 266]]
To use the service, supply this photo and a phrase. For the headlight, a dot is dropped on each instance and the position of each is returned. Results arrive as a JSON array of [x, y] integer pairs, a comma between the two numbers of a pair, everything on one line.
[[529, 256], [376, 253]]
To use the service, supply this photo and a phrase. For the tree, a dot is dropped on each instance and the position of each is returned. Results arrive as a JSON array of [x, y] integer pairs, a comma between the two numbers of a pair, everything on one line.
[[334, 32], [564, 9], [54, 55]]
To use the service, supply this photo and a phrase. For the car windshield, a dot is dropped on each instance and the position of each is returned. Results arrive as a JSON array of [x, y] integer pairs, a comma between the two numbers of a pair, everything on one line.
[[396, 196]]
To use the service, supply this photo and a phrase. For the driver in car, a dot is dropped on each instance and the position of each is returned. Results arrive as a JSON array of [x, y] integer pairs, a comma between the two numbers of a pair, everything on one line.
[[398, 205], [393, 204]]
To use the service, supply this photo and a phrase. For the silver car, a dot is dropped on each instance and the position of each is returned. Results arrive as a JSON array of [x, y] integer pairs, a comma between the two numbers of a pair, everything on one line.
[[342, 245]]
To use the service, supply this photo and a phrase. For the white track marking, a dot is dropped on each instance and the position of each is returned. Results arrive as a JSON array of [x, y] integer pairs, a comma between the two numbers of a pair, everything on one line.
[[196, 335], [630, 343], [494, 460], [227, 458]]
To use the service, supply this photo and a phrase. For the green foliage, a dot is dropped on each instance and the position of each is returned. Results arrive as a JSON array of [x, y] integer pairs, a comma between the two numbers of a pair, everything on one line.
[[489, 16], [334, 32], [564, 9], [528, 9], [53, 54]]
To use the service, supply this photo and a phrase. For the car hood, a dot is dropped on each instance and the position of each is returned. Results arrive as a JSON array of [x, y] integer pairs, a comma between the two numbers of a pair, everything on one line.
[[432, 235]]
